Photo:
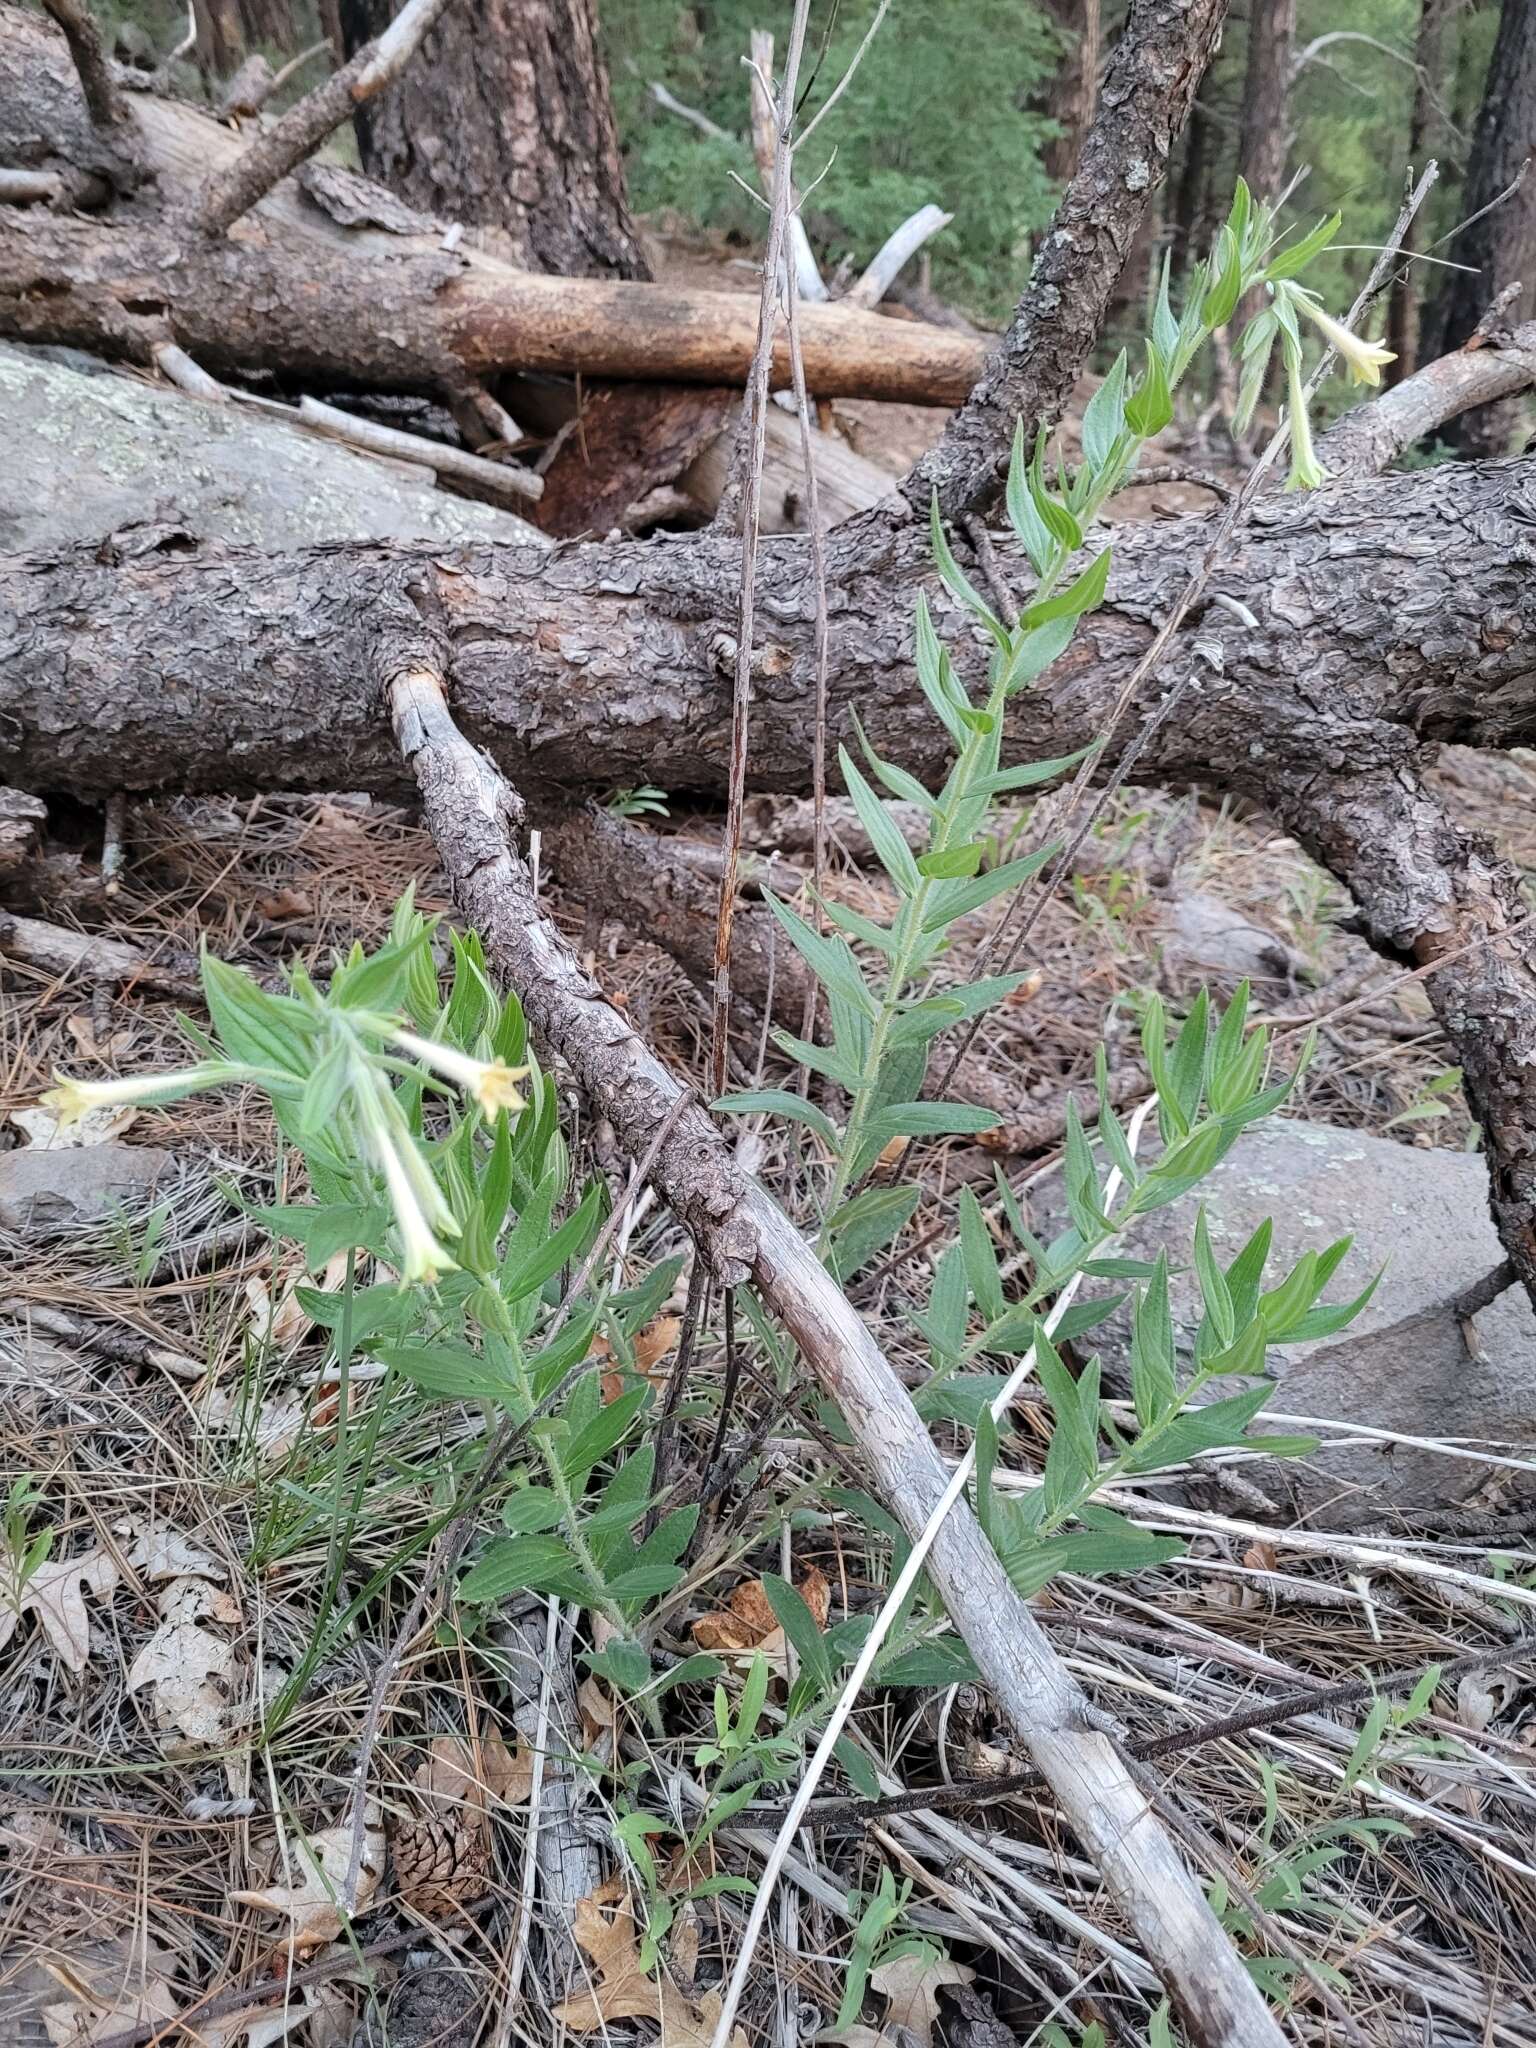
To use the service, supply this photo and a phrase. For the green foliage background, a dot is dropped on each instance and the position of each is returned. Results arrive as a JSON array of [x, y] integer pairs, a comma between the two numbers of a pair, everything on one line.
[[946, 108], [939, 112]]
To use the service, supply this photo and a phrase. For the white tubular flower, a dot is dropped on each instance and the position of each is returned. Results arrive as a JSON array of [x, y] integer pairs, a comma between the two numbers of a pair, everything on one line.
[[1365, 358], [71, 1100], [492, 1083], [424, 1258], [1306, 471]]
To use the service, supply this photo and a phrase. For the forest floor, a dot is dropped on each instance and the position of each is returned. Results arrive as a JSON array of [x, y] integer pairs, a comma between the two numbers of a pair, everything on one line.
[[202, 1469], [182, 1685]]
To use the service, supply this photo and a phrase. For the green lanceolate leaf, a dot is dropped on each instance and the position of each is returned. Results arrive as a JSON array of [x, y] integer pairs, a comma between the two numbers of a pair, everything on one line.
[[1154, 1378], [952, 900], [526, 1564], [1150, 406], [955, 580], [866, 1225], [1082, 596], [892, 851], [935, 674], [1104, 418], [828, 959], [950, 863], [1292, 261], [781, 1102], [1038, 542]]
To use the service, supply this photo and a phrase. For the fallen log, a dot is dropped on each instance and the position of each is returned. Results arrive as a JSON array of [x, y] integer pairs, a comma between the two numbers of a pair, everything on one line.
[[411, 322], [1380, 616]]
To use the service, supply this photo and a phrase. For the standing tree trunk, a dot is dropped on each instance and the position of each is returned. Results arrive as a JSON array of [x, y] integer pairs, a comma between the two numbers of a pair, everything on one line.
[[504, 122], [1266, 115], [1074, 90], [1424, 128], [1500, 247], [1187, 224], [269, 22], [220, 36]]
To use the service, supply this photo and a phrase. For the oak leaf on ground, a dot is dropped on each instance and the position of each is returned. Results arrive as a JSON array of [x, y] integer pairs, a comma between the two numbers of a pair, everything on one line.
[[604, 1926]]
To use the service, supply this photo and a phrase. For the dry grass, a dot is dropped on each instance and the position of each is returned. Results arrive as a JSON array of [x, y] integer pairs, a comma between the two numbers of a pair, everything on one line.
[[109, 1843]]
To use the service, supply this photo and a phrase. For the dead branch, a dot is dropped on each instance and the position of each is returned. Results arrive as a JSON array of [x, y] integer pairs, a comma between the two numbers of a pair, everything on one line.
[[503, 480], [107, 107], [469, 809], [305, 126], [1372, 437], [425, 319], [1147, 93], [894, 254]]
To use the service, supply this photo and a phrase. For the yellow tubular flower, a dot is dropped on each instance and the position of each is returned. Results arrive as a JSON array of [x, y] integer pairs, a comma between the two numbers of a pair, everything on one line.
[[71, 1100], [492, 1083], [1306, 471], [1365, 358], [424, 1258]]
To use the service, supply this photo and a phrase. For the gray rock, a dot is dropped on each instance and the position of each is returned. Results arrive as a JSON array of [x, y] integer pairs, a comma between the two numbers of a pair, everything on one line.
[[91, 456], [1208, 937], [1406, 1363], [45, 1190]]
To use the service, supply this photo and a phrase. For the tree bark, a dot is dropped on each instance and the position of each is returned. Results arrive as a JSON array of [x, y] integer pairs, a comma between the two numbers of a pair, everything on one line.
[[1266, 113], [1074, 89], [269, 22], [1389, 614], [1424, 129], [505, 123], [220, 44], [1501, 246]]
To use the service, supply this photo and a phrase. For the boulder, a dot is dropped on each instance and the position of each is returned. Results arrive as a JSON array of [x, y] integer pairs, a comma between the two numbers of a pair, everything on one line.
[[1410, 1363], [45, 1190]]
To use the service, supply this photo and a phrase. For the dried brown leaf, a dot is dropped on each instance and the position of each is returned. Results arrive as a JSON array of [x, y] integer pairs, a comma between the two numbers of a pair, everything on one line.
[[604, 1926], [911, 1984], [55, 1593], [311, 1904], [109, 1987]]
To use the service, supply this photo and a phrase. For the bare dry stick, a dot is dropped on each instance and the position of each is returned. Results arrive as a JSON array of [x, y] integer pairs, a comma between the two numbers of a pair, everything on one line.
[[30, 188], [104, 103], [305, 126], [469, 807], [823, 635], [505, 480], [754, 431], [894, 254], [765, 141]]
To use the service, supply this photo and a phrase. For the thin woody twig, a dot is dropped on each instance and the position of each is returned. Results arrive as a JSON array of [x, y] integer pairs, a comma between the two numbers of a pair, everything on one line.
[[754, 432], [1151, 1748], [286, 144]]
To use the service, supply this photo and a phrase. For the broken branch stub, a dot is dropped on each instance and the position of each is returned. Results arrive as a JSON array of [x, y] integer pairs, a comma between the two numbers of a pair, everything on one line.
[[305, 126]]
